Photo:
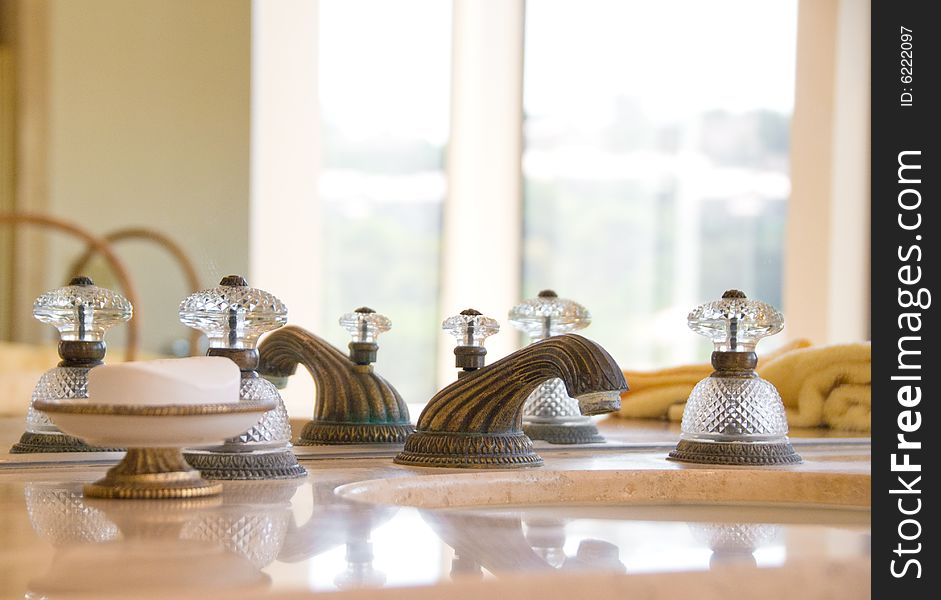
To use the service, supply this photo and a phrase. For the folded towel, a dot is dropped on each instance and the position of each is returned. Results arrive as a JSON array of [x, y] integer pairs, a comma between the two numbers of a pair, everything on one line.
[[820, 386], [663, 393], [655, 402], [825, 386]]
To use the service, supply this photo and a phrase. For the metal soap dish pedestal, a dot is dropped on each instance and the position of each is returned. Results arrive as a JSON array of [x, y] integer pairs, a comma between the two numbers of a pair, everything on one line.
[[153, 467]]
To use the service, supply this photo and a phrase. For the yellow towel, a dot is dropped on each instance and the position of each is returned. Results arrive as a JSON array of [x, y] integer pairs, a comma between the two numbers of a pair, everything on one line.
[[826, 386], [823, 386], [663, 393]]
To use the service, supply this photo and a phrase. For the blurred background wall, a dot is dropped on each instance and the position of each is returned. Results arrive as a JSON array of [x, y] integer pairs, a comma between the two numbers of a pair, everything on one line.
[[134, 113]]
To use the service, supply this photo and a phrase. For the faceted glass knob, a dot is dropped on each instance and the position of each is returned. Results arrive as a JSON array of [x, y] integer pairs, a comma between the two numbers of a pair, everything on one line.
[[734, 323], [470, 328], [365, 325], [548, 315], [82, 311], [233, 315]]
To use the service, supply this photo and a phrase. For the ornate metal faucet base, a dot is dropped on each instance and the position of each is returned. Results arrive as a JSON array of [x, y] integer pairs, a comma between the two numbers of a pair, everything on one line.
[[54, 442], [469, 451], [250, 466], [580, 431], [735, 453], [152, 473], [322, 433]]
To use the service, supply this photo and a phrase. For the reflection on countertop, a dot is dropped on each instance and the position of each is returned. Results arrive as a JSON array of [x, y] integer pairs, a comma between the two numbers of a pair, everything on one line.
[[113, 547], [294, 537]]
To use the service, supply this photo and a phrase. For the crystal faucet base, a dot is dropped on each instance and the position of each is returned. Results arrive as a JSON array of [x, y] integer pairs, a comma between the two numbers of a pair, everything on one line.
[[325, 433], [552, 416], [246, 466], [735, 453], [584, 432], [54, 442], [469, 451]]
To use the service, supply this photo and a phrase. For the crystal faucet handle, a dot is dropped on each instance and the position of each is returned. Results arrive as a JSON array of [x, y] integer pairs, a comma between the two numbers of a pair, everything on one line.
[[547, 315], [734, 323], [82, 311], [470, 327], [233, 315], [365, 325]]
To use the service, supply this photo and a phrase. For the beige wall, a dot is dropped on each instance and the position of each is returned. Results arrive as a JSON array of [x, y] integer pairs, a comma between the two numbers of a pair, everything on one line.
[[148, 125], [7, 180]]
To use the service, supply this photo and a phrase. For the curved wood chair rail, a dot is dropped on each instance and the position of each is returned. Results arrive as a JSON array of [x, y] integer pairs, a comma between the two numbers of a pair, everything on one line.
[[102, 247], [175, 250]]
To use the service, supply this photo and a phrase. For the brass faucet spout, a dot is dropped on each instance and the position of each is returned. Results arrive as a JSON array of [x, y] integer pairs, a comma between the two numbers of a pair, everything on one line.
[[354, 404], [477, 421]]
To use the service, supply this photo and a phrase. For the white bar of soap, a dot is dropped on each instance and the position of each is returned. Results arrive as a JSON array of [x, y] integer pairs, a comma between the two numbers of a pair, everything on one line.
[[196, 380]]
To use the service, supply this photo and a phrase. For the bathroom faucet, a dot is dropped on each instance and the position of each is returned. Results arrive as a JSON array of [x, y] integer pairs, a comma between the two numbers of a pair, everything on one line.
[[354, 404], [476, 422]]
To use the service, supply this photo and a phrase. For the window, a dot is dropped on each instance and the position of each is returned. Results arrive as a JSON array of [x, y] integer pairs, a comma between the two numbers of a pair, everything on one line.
[[655, 166], [384, 96], [656, 161]]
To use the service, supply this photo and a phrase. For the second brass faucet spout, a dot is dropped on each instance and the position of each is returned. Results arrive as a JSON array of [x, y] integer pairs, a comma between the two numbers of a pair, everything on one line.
[[477, 421], [354, 404]]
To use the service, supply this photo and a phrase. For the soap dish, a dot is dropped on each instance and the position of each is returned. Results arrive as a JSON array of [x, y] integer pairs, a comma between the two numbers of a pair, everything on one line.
[[153, 467]]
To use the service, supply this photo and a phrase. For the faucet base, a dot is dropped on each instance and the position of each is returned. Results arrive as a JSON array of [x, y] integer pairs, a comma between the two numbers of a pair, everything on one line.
[[469, 450], [582, 431], [735, 453], [325, 433], [54, 442], [246, 466]]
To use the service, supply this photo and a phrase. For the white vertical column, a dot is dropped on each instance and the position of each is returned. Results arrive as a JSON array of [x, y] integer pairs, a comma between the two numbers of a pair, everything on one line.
[[806, 264], [826, 282], [849, 290], [284, 245], [482, 247], [285, 156]]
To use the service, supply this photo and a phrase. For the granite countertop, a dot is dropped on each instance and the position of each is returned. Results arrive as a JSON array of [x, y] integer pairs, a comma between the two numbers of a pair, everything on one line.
[[290, 538]]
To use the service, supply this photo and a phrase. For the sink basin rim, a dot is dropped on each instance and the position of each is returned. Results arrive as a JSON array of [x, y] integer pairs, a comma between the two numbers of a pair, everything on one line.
[[621, 487]]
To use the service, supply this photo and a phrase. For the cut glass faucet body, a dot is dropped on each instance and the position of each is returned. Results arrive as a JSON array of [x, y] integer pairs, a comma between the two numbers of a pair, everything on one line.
[[233, 316], [734, 416], [550, 414], [82, 312]]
